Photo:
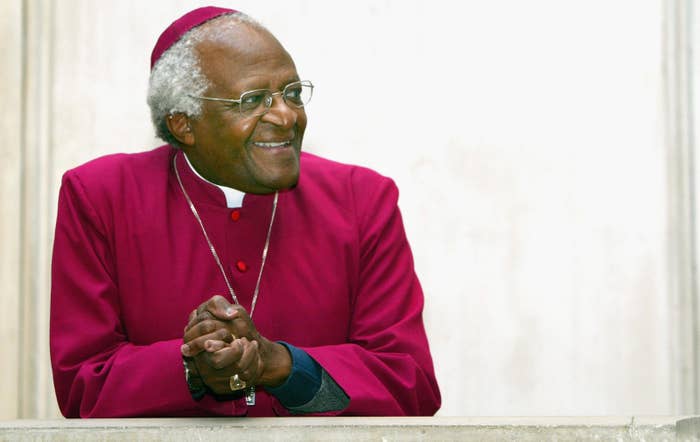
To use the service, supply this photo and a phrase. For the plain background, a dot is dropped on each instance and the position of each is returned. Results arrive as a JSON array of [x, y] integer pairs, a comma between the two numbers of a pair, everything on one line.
[[529, 141]]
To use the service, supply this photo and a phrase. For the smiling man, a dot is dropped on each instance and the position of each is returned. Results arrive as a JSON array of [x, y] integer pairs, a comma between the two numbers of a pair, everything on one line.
[[290, 275]]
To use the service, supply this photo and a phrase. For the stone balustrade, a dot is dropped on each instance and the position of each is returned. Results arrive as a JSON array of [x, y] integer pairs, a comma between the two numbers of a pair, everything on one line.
[[667, 428]]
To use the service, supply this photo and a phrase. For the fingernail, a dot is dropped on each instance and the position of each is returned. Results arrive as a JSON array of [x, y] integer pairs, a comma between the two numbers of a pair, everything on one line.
[[229, 311], [185, 349]]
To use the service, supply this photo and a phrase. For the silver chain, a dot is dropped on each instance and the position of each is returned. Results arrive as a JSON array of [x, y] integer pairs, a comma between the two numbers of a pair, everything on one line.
[[213, 250]]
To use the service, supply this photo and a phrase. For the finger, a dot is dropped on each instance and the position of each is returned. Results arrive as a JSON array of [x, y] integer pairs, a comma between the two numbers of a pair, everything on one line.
[[227, 356], [196, 318], [190, 318], [220, 308], [201, 308], [247, 365], [212, 346], [195, 346], [238, 318], [204, 328], [206, 306], [241, 324]]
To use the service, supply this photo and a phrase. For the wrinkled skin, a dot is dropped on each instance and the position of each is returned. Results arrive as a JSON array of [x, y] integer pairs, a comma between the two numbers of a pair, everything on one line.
[[226, 148]]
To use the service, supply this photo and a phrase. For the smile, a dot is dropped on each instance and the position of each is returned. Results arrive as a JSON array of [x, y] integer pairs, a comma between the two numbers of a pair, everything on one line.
[[273, 145]]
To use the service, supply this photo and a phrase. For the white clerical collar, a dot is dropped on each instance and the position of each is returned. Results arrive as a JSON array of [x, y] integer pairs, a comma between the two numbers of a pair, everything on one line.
[[234, 198]]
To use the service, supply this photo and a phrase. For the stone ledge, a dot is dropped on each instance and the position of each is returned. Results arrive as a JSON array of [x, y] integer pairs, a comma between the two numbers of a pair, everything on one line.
[[346, 428]]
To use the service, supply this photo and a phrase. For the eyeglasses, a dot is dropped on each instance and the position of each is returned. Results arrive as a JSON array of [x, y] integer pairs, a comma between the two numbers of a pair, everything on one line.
[[258, 102]]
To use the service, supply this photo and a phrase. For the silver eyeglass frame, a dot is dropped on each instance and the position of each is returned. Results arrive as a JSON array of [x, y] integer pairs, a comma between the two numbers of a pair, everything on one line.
[[268, 100]]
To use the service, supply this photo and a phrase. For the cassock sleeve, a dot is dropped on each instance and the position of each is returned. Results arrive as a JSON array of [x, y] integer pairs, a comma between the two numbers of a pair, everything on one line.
[[385, 368], [97, 372]]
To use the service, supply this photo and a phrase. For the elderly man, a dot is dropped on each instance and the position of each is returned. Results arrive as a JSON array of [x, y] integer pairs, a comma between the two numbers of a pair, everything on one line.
[[290, 274]]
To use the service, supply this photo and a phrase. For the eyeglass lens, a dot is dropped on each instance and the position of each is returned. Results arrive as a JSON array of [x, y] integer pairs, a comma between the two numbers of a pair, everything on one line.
[[259, 101]]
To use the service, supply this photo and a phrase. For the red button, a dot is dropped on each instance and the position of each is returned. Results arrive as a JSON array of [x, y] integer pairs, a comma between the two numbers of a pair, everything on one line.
[[242, 266], [235, 215]]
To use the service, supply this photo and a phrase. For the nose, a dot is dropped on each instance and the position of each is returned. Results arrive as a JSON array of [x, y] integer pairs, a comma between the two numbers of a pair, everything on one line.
[[280, 113]]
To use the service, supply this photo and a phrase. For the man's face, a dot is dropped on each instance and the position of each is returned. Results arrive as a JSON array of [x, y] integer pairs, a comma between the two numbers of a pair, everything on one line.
[[245, 152]]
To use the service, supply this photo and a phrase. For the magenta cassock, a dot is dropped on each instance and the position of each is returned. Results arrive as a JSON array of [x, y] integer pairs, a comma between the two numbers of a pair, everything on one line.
[[130, 263]]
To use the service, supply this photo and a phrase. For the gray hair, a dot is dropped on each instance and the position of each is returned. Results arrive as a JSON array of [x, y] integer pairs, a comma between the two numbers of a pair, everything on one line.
[[177, 75]]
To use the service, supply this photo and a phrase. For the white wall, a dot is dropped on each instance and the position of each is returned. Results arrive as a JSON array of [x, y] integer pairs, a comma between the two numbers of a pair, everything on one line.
[[527, 139]]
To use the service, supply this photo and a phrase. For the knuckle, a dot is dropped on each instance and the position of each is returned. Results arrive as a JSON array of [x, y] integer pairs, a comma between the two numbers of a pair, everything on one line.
[[203, 328], [202, 307], [207, 326], [197, 344], [203, 316]]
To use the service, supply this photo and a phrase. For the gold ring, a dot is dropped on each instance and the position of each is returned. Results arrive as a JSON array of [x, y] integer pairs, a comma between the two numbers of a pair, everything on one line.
[[236, 383]]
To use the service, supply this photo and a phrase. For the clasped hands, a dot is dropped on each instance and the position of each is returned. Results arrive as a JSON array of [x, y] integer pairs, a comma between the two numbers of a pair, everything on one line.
[[223, 341]]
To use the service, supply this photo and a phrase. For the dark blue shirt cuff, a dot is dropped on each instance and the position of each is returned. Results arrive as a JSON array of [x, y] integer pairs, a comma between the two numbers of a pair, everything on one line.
[[303, 382]]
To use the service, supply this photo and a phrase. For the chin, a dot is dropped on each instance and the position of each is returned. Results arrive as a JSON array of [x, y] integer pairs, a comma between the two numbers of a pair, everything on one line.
[[285, 184], [281, 182]]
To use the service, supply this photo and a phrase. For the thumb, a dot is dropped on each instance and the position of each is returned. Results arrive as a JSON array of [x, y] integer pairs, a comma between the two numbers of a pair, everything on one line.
[[220, 308]]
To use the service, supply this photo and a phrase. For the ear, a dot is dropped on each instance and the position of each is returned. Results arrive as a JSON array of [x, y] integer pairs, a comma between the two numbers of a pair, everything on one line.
[[179, 126]]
